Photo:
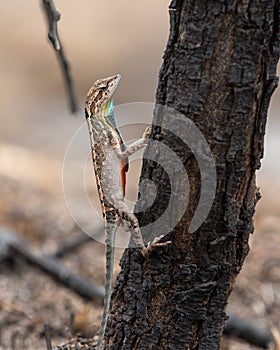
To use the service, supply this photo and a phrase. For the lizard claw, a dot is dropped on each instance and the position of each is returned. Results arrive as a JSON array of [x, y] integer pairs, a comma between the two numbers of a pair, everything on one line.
[[147, 133]]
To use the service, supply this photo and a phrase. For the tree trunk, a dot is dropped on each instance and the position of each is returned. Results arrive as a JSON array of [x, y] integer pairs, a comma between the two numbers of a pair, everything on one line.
[[218, 71]]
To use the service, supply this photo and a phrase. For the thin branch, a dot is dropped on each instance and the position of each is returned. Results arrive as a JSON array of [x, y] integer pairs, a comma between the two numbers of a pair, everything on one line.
[[48, 337], [72, 324], [74, 243], [11, 246], [53, 16], [248, 331]]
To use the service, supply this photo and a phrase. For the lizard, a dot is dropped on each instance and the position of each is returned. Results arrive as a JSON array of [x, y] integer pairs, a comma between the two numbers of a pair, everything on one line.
[[110, 163]]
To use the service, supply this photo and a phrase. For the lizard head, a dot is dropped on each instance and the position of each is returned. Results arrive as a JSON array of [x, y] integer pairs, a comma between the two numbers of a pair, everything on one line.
[[99, 100]]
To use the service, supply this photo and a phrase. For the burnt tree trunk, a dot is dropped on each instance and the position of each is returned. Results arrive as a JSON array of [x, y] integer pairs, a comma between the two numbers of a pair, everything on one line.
[[219, 71]]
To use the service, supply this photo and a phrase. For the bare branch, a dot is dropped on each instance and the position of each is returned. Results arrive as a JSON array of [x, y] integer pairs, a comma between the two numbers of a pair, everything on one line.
[[48, 337], [74, 243], [248, 331], [11, 246], [53, 16]]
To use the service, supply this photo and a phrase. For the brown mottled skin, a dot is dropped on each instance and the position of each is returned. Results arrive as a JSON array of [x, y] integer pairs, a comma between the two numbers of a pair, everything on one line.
[[110, 163]]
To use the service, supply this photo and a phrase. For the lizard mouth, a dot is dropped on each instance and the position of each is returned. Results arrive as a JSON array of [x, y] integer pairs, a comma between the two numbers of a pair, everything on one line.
[[115, 80], [111, 85]]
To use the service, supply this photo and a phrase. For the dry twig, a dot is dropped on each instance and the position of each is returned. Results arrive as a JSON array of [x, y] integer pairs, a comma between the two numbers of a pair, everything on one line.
[[248, 331], [74, 243], [48, 337], [53, 17], [12, 246]]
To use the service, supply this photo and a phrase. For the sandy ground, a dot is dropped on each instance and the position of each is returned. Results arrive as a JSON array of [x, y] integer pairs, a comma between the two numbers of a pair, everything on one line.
[[33, 205]]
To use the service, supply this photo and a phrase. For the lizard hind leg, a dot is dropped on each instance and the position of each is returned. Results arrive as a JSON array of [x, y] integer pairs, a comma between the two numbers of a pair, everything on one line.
[[128, 220], [126, 225], [130, 223]]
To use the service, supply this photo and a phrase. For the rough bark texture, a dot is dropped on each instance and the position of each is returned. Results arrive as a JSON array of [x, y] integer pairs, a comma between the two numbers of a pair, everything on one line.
[[218, 70]]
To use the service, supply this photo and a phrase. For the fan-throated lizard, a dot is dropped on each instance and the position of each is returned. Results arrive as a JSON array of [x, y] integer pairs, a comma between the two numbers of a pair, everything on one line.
[[110, 162]]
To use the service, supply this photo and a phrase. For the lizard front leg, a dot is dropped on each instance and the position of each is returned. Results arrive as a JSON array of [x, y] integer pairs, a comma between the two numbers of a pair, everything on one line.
[[131, 149], [120, 204]]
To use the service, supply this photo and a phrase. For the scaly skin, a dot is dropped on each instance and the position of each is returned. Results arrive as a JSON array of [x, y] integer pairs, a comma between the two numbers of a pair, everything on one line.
[[110, 163]]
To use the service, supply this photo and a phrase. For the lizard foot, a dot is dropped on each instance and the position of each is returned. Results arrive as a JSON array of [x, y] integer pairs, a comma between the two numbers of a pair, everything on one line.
[[153, 246], [147, 133]]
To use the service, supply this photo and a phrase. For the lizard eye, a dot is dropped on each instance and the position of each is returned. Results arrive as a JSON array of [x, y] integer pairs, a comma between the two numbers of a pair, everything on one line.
[[102, 86]]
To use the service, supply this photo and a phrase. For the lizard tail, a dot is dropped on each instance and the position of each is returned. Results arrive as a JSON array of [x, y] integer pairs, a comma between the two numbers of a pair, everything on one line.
[[110, 248]]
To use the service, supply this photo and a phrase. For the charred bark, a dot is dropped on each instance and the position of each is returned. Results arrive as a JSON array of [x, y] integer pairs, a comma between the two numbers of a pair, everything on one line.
[[219, 71]]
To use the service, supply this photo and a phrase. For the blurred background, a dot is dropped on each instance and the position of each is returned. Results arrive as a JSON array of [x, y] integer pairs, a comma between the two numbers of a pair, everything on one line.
[[100, 38]]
